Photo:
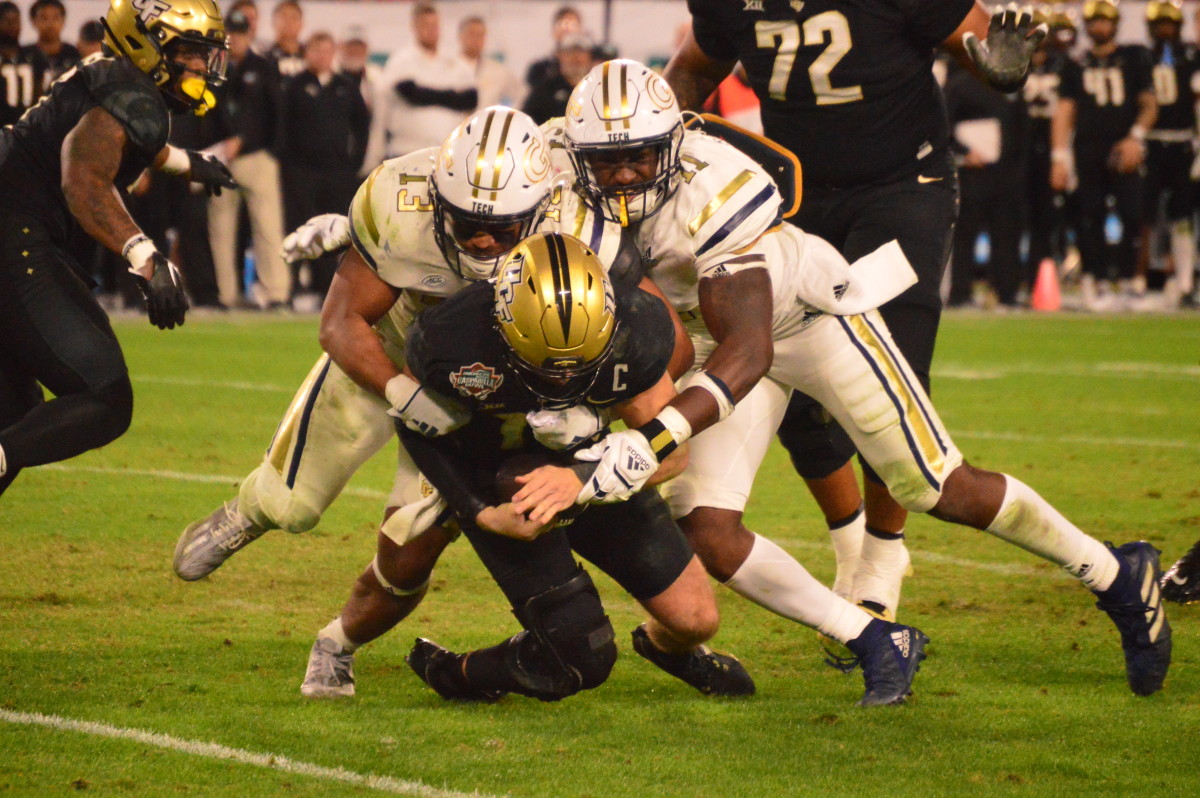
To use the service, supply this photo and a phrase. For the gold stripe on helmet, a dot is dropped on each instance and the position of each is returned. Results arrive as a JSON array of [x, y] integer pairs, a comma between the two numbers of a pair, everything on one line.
[[481, 156], [498, 166], [625, 111], [604, 96], [716, 202]]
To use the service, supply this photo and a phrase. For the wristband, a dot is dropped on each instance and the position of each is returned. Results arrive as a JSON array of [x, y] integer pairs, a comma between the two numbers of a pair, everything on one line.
[[138, 250], [1060, 155], [717, 389], [666, 431], [400, 390], [177, 161], [1137, 132]]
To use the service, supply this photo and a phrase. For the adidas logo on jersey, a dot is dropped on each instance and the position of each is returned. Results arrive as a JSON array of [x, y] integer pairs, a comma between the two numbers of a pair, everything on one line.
[[902, 640], [839, 290]]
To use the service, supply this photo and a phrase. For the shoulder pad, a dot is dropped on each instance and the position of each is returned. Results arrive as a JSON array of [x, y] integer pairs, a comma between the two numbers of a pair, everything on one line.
[[132, 98], [779, 162], [568, 213]]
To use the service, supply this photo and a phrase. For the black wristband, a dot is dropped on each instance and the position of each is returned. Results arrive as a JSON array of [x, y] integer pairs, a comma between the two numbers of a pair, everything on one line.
[[662, 443]]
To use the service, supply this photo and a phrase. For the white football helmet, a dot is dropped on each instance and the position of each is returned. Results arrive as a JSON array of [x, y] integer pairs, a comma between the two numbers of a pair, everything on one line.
[[624, 106], [490, 188]]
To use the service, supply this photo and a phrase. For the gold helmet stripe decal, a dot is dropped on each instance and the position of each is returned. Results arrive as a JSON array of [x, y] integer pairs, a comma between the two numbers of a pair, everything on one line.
[[625, 112], [481, 156], [561, 275], [604, 96], [500, 149]]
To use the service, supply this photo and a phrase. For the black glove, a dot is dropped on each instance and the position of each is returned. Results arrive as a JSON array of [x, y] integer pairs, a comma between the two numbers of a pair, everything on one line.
[[165, 300], [1003, 60], [208, 170]]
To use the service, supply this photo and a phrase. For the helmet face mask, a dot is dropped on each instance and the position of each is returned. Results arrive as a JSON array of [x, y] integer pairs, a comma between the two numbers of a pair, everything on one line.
[[554, 309], [490, 188], [620, 110]]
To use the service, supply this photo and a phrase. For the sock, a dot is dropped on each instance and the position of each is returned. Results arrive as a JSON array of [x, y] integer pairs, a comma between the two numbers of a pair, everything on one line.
[[847, 538], [3, 462], [337, 634], [1183, 252], [1028, 520], [772, 579], [881, 568]]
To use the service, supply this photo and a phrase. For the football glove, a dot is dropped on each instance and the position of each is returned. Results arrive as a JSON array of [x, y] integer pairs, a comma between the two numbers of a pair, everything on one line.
[[207, 170], [624, 463], [318, 235], [424, 411], [1003, 59], [166, 302], [566, 429]]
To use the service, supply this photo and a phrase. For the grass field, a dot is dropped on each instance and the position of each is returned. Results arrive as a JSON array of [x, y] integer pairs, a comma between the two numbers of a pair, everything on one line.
[[1023, 692]]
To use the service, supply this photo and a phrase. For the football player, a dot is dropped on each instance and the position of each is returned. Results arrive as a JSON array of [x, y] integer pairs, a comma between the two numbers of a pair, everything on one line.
[[760, 301], [1169, 151], [63, 166], [848, 87], [422, 226], [554, 330], [1107, 106]]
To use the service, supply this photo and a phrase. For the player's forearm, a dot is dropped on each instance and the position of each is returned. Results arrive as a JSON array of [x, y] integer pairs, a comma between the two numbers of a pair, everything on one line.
[[693, 75], [440, 461], [1147, 115], [1062, 126], [351, 342], [101, 213]]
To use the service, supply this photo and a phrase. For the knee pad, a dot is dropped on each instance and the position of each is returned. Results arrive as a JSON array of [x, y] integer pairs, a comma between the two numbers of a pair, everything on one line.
[[816, 443], [388, 587], [569, 644], [117, 399]]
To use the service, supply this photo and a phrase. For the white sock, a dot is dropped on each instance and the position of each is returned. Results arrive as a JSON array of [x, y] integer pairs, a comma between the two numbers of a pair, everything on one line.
[[847, 538], [1183, 252], [1028, 520], [337, 634], [881, 569], [772, 579], [3, 462]]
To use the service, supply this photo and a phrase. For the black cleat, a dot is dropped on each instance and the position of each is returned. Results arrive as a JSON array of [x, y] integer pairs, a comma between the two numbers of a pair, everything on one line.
[[708, 671], [890, 655], [441, 669], [1134, 603], [1181, 582]]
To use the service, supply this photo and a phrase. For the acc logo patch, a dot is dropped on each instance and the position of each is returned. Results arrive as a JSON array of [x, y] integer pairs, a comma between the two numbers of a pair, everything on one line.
[[476, 381], [434, 280]]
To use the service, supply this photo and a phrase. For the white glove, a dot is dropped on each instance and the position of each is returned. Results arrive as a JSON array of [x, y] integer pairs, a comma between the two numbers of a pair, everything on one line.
[[424, 411], [566, 429], [624, 463], [314, 238]]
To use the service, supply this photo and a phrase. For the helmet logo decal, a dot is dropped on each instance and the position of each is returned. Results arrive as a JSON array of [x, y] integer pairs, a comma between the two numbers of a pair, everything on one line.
[[507, 285], [476, 381], [537, 162], [660, 93], [150, 10]]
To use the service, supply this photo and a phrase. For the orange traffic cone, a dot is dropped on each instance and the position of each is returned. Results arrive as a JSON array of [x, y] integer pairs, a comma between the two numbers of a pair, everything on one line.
[[1046, 295]]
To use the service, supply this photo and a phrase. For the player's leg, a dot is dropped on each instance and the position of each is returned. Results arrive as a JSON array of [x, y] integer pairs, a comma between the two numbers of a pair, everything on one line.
[[19, 393], [55, 332], [264, 205], [897, 429], [1127, 189], [1091, 166], [330, 429], [1179, 215], [708, 499], [222, 235]]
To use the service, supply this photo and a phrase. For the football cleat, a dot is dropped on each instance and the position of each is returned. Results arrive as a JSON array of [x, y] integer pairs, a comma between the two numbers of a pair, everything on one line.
[[837, 656], [330, 672], [207, 543], [1181, 582], [708, 671], [890, 655], [1134, 603], [440, 668]]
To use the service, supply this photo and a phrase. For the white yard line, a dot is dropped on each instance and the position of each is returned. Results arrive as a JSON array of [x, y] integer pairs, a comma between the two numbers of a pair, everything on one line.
[[195, 382], [242, 756], [219, 479], [1121, 370]]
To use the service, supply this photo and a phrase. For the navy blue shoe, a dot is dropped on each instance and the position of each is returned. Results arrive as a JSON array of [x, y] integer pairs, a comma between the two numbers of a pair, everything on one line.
[[1181, 582], [1135, 605], [890, 655]]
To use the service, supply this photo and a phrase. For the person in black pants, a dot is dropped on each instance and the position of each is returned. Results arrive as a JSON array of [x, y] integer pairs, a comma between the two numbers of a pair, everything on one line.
[[60, 169], [327, 122], [1108, 105]]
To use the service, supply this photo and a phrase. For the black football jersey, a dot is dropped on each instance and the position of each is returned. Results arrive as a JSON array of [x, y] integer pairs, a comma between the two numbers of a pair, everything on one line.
[[845, 84], [51, 67], [21, 81], [1106, 91], [455, 350], [31, 150], [1174, 78]]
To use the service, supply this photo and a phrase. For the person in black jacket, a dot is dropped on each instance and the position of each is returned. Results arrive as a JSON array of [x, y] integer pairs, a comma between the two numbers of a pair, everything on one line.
[[327, 122]]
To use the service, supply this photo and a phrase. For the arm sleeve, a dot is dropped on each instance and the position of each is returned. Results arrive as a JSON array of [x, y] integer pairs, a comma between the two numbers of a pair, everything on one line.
[[464, 100], [930, 22], [710, 34], [441, 461]]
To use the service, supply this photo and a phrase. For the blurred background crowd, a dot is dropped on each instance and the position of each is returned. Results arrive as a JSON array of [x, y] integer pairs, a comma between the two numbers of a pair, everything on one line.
[[310, 108]]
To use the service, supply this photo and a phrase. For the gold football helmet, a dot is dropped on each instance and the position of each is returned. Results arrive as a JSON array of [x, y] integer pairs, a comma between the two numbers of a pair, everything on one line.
[[1101, 9], [1062, 17], [154, 33], [1164, 11], [555, 311]]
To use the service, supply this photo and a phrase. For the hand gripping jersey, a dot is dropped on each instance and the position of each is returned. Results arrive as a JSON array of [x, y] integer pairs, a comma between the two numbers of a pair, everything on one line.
[[392, 227], [31, 150], [846, 85]]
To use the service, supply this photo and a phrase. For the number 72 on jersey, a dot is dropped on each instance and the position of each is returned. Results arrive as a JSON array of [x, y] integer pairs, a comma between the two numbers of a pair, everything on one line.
[[786, 37]]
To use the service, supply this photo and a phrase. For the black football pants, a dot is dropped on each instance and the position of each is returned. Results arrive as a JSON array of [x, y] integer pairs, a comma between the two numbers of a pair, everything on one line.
[[918, 211], [1097, 182], [53, 334]]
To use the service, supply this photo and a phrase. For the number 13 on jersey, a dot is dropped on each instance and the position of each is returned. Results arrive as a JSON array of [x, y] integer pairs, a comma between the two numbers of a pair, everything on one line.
[[784, 36]]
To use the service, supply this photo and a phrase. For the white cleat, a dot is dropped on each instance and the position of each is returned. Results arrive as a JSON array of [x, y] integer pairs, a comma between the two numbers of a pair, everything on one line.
[[330, 671], [207, 543]]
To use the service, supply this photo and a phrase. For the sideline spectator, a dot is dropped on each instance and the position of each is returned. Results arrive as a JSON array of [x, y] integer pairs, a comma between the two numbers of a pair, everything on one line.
[[10, 20], [424, 94], [252, 101], [354, 61], [91, 38], [548, 98], [287, 52], [566, 22], [50, 55], [20, 76], [327, 121], [496, 83]]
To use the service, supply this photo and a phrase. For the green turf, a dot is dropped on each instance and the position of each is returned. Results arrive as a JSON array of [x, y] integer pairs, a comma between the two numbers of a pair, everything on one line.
[[1023, 693]]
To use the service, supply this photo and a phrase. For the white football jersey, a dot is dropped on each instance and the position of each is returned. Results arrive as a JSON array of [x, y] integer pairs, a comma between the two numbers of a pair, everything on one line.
[[392, 227]]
